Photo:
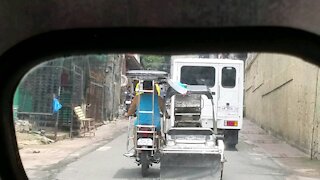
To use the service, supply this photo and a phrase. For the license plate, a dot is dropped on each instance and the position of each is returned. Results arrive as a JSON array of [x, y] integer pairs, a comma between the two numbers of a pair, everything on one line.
[[128, 102], [144, 142]]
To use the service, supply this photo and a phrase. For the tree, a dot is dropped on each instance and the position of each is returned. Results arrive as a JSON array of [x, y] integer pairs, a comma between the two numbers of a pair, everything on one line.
[[154, 62]]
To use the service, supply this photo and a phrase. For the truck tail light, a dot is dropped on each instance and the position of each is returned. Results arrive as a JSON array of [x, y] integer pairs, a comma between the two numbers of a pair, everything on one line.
[[231, 123]]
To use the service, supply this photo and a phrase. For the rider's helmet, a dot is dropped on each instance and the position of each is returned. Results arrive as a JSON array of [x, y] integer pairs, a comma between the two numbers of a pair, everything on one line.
[[157, 88]]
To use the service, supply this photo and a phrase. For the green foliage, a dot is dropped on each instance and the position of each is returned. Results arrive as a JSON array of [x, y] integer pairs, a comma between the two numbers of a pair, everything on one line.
[[153, 62]]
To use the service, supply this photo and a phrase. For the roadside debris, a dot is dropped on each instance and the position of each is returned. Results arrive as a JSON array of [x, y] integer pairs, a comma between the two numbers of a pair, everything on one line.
[[23, 126], [27, 136]]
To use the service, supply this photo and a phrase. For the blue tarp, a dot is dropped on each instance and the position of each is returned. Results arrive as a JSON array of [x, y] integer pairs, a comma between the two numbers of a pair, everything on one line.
[[56, 105]]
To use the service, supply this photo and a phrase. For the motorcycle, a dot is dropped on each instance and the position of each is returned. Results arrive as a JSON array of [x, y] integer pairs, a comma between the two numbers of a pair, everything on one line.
[[147, 145], [146, 139]]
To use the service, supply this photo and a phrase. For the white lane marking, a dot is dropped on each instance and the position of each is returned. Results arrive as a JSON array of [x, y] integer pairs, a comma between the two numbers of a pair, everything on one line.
[[75, 154], [104, 148], [256, 154]]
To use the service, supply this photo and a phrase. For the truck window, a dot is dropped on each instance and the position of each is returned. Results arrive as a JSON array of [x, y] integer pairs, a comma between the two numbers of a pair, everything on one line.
[[228, 79], [198, 75]]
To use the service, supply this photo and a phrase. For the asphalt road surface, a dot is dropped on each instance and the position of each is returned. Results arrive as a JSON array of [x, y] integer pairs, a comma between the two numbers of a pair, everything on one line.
[[108, 162]]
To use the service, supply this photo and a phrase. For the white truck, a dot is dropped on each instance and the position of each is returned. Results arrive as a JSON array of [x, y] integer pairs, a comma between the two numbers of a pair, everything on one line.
[[225, 79]]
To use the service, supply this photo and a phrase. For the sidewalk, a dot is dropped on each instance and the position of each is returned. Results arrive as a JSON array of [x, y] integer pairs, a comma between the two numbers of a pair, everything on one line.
[[38, 157], [295, 161]]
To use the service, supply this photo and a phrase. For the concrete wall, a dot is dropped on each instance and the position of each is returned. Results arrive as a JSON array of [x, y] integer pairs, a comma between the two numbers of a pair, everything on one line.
[[281, 95]]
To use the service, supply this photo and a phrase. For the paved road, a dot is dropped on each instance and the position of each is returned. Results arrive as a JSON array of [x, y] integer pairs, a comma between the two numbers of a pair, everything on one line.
[[108, 162]]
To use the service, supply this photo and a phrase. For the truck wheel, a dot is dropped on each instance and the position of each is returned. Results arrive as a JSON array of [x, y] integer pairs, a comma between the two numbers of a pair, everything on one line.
[[231, 138], [231, 146]]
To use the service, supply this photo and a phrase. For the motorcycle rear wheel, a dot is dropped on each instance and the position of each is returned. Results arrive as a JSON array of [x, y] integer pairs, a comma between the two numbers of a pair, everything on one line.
[[144, 163]]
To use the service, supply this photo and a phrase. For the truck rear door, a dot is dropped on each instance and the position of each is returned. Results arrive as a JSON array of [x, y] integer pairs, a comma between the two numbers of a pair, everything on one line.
[[229, 85]]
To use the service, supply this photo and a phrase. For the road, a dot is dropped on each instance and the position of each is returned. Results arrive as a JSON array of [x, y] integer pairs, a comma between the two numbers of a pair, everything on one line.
[[108, 162]]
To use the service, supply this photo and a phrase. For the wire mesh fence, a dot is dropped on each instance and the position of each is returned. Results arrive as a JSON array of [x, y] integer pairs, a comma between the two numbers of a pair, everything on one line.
[[74, 80]]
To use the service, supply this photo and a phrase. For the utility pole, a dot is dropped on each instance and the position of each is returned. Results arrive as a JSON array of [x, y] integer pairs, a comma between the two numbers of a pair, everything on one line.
[[113, 88], [112, 85], [109, 88]]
